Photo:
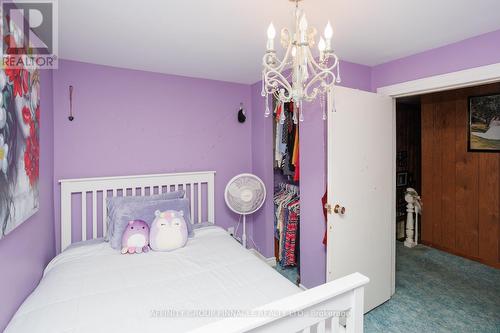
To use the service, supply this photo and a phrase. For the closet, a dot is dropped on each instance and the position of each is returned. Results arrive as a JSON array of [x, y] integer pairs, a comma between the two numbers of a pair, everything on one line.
[[286, 196]]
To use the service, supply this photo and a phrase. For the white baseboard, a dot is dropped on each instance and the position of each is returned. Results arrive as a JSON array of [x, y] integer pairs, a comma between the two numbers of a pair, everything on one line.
[[301, 286], [271, 261]]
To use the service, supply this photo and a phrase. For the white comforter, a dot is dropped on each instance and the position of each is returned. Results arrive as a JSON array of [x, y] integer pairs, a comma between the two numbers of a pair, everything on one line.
[[93, 288]]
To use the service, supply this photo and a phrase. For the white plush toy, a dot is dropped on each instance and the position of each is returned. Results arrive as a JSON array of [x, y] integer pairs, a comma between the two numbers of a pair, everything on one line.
[[168, 231]]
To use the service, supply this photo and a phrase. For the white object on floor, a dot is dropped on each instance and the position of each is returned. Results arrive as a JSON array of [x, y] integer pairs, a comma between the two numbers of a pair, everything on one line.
[[244, 195], [413, 207]]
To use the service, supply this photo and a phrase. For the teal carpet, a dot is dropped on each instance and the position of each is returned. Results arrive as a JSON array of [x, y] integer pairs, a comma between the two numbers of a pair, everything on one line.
[[438, 292], [291, 273]]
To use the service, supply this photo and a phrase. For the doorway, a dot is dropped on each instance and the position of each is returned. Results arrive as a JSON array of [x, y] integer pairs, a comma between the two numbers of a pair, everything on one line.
[[481, 75], [437, 139], [408, 158], [434, 278]]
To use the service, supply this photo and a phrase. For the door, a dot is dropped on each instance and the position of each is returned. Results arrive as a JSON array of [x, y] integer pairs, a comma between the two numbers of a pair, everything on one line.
[[361, 175]]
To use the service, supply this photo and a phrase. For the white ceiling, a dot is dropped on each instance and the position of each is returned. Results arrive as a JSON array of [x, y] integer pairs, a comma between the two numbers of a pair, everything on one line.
[[225, 39]]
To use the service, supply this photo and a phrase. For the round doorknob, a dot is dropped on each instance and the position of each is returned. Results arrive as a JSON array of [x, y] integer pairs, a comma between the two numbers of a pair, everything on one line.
[[339, 210]]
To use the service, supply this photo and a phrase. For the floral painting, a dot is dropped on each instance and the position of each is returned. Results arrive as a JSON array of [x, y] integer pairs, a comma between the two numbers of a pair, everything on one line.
[[19, 142]]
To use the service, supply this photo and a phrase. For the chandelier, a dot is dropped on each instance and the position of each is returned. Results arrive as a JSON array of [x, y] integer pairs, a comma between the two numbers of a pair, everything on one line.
[[299, 76]]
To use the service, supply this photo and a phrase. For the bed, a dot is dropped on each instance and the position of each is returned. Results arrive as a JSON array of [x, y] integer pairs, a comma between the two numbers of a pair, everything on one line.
[[212, 284]]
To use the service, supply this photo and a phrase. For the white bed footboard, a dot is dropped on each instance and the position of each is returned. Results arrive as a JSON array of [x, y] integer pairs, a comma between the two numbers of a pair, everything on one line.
[[336, 306], [83, 201]]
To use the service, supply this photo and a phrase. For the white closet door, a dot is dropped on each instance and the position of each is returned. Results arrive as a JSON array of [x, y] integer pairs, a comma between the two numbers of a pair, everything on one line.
[[361, 179]]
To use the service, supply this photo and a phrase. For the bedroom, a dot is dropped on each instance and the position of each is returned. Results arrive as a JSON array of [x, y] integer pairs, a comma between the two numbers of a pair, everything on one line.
[[157, 88]]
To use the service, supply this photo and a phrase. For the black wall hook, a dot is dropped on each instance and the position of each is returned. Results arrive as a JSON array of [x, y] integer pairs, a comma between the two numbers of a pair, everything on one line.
[[71, 118], [241, 114]]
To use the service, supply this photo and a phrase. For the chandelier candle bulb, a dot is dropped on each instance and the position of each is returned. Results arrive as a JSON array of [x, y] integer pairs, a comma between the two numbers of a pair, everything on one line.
[[321, 47], [271, 31], [271, 34], [328, 35]]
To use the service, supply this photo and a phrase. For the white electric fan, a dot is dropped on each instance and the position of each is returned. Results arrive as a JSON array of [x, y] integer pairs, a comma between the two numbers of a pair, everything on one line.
[[244, 195]]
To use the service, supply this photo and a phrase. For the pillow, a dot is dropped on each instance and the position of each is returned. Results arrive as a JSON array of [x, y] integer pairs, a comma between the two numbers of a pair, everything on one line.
[[111, 203], [145, 211]]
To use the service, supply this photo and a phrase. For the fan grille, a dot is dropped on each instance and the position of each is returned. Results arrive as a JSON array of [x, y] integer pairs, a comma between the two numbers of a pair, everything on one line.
[[245, 194]]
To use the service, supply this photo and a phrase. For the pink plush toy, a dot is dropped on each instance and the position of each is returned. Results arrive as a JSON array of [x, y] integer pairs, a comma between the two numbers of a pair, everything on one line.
[[168, 231], [135, 238]]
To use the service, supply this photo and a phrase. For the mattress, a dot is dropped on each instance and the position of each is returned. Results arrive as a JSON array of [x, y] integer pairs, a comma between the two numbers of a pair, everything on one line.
[[93, 288]]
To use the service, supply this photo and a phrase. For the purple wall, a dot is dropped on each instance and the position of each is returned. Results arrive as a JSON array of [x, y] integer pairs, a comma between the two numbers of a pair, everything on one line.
[[312, 180], [312, 188], [27, 249], [473, 52], [133, 122], [262, 164]]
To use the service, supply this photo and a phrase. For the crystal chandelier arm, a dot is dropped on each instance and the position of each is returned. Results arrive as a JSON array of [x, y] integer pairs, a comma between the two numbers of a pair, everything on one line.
[[322, 78], [323, 74], [323, 67], [270, 58], [273, 80], [318, 84]]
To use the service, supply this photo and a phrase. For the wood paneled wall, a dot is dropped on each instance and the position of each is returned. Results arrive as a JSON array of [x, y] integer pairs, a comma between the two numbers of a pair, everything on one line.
[[460, 189]]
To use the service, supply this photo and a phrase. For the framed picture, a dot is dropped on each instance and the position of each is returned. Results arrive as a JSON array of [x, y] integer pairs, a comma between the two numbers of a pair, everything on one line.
[[401, 179], [19, 141], [19, 147], [484, 123]]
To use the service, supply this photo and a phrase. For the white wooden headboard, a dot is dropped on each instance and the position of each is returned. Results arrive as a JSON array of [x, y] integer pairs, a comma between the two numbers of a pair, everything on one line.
[[199, 187]]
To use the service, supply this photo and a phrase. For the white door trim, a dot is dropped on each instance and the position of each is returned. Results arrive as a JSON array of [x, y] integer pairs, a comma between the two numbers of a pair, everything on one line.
[[449, 81], [393, 200], [464, 78]]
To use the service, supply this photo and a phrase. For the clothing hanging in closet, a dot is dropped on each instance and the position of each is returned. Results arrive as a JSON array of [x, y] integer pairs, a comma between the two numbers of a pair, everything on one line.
[[286, 142], [286, 222]]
